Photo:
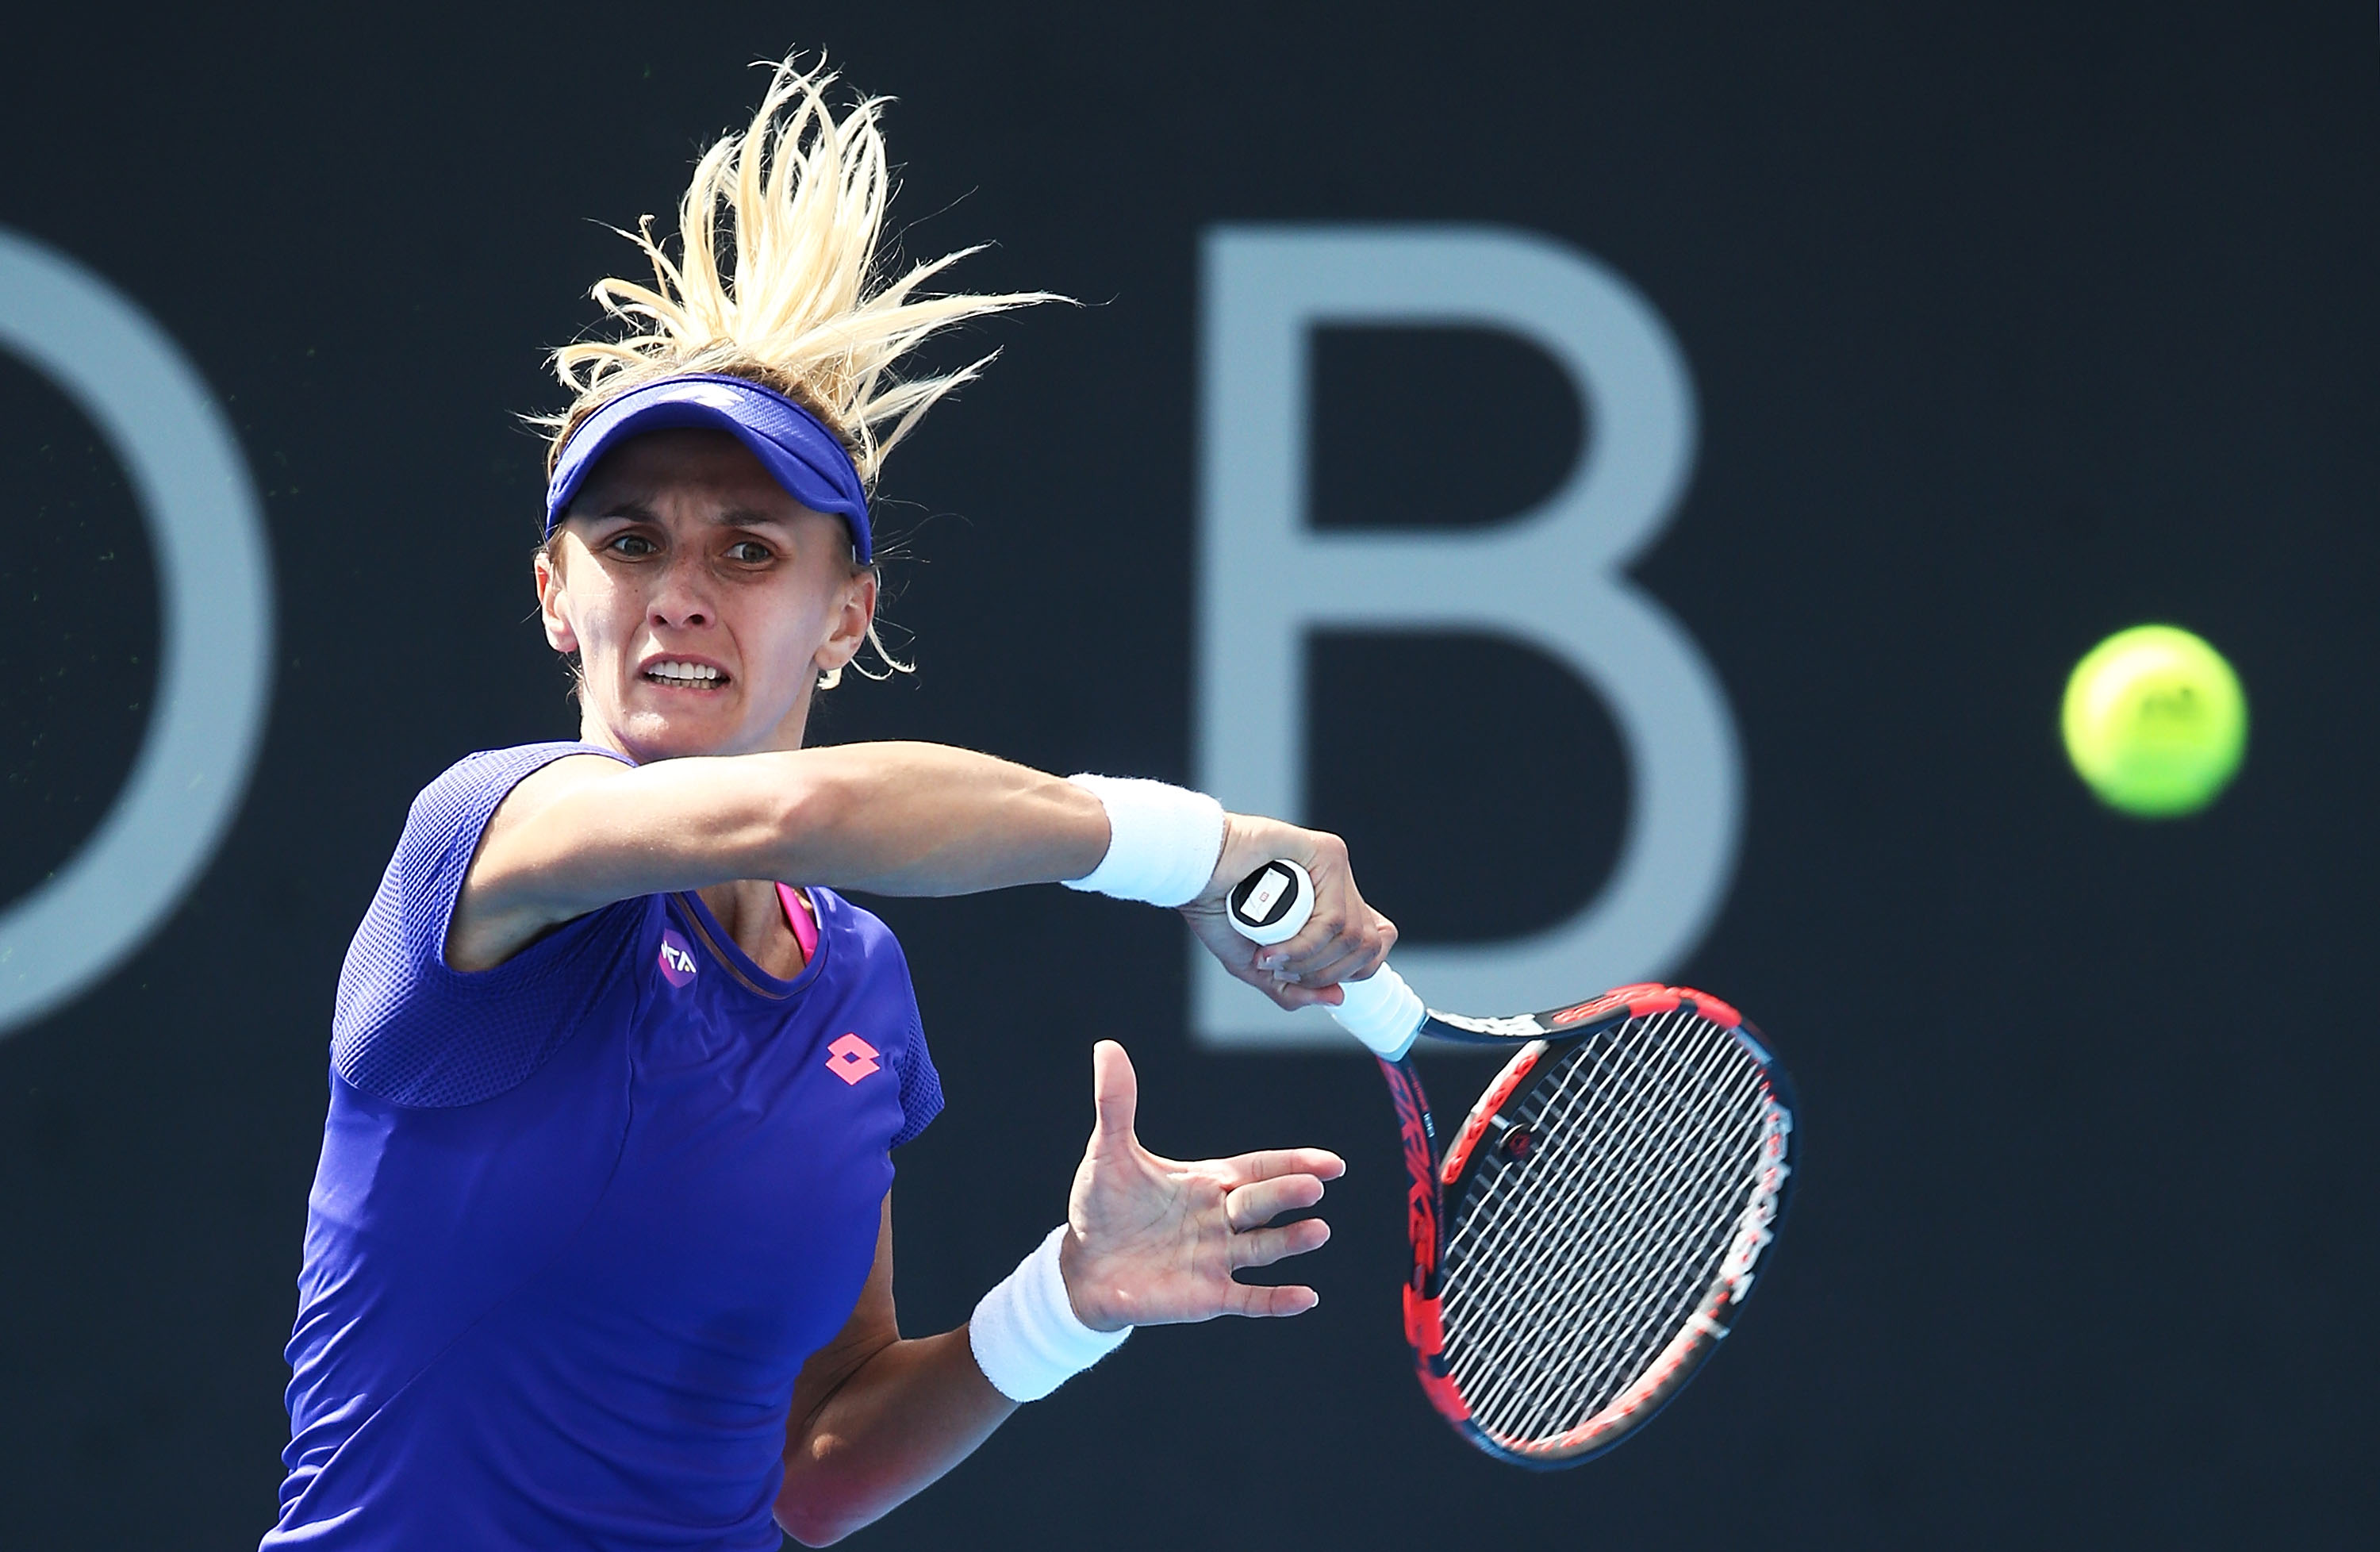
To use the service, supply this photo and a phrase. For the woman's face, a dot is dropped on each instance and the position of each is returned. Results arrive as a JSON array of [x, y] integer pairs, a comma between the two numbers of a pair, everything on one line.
[[702, 600]]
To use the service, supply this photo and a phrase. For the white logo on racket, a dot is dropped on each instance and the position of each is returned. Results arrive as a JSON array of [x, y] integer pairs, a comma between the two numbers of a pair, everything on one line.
[[1757, 1226], [1555, 579], [1517, 1026]]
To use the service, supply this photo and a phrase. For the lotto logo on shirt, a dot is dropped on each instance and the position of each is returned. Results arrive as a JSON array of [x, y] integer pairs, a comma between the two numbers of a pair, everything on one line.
[[677, 959], [852, 1058]]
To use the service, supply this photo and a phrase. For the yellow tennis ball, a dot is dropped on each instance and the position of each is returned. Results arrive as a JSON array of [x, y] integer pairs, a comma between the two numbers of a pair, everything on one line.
[[2155, 722]]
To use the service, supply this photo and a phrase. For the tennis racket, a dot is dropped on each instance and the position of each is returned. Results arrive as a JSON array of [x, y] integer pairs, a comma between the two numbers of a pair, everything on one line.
[[1586, 1241]]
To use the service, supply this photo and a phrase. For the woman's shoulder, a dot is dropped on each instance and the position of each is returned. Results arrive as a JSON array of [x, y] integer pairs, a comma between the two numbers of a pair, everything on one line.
[[409, 1028], [457, 804], [499, 770]]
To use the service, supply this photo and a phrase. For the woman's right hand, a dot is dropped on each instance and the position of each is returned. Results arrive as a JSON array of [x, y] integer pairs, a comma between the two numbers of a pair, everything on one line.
[[1346, 939]]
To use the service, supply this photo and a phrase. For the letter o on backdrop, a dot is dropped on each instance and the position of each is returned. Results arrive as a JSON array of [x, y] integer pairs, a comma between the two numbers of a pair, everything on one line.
[[214, 589]]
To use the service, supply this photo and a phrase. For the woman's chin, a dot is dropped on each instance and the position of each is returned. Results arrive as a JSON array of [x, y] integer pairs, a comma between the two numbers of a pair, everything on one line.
[[670, 732]]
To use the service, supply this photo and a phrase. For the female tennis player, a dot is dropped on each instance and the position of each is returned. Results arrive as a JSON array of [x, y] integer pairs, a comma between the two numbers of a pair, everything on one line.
[[600, 1250]]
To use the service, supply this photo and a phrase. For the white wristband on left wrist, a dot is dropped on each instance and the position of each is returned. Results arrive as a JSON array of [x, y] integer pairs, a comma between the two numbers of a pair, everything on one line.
[[1025, 1333]]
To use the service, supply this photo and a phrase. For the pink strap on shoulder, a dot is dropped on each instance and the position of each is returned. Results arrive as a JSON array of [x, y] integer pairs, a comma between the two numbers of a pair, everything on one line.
[[798, 917]]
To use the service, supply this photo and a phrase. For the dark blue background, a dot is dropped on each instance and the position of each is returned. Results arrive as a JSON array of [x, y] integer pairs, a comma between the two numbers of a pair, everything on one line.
[[2012, 325]]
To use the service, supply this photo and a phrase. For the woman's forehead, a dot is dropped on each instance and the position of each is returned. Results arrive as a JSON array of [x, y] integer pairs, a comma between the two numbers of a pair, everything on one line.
[[685, 465]]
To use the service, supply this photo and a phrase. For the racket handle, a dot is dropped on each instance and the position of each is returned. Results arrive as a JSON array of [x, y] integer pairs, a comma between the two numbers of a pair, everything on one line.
[[1271, 904], [1382, 1012]]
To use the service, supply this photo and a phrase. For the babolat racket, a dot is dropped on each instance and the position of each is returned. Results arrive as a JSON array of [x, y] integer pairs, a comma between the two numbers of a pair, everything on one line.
[[1611, 1194]]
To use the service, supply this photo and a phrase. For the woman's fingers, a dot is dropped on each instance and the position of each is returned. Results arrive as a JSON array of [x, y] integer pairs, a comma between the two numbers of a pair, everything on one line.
[[1115, 1092], [1254, 1205], [1265, 1163], [1259, 1300], [1337, 925], [1289, 994], [1353, 965], [1237, 955], [1349, 954], [1262, 1247]]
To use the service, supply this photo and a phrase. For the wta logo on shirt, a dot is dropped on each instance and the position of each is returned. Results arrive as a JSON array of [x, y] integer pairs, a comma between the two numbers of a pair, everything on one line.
[[852, 1058], [677, 959]]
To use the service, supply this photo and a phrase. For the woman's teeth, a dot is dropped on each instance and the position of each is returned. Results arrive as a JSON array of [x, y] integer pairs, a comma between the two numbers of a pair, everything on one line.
[[685, 675]]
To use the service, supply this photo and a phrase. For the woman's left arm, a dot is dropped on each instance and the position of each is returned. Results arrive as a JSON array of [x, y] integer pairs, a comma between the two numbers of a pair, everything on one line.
[[876, 1418], [1150, 1240]]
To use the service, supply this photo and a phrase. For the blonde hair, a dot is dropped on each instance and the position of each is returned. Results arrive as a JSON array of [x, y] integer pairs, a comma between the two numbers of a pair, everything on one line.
[[790, 291]]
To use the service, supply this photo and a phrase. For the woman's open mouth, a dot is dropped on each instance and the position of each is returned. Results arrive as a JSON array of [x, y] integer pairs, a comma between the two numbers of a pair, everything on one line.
[[687, 676]]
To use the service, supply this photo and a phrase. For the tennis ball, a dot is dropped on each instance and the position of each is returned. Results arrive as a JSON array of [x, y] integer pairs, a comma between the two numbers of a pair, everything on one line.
[[2154, 721]]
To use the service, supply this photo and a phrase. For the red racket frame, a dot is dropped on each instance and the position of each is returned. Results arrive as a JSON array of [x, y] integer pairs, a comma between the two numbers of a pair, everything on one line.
[[1428, 1179]]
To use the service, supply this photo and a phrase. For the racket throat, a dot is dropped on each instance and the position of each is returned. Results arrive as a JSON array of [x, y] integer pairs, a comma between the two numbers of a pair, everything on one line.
[[1417, 1141], [1425, 1223], [1425, 1334]]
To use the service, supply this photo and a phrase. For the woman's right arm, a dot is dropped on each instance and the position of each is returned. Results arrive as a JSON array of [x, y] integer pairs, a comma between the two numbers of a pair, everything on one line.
[[886, 818], [889, 818]]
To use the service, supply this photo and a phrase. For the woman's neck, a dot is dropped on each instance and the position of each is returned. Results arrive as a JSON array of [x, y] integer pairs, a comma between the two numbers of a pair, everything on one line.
[[752, 913]]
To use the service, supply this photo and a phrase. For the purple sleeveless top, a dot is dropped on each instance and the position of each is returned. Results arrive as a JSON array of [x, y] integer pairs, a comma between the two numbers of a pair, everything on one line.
[[579, 1219]]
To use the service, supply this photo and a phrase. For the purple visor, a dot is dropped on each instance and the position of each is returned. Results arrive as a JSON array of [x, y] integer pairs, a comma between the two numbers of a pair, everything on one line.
[[792, 444]]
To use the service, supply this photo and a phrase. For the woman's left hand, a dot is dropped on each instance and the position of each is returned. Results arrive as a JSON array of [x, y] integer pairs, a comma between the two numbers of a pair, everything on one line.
[[1154, 1242]]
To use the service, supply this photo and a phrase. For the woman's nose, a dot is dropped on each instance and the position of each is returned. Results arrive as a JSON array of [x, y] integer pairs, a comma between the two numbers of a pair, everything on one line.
[[683, 600]]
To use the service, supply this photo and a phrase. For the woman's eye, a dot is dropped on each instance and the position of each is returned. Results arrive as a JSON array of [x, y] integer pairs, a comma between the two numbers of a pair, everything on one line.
[[750, 552], [633, 546]]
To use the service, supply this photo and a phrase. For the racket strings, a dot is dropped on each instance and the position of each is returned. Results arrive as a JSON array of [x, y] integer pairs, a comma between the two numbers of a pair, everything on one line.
[[1568, 1276], [1509, 1237], [1583, 1239], [1667, 1290], [1595, 1294], [1612, 1315], [1670, 1286], [1504, 1228], [1623, 1310], [1486, 1228]]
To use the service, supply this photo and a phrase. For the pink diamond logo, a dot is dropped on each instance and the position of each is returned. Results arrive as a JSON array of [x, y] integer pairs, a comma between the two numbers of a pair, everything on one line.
[[850, 1058]]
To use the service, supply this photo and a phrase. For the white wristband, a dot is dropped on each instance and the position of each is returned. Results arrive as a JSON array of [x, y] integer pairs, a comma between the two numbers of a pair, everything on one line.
[[1025, 1333], [1163, 842]]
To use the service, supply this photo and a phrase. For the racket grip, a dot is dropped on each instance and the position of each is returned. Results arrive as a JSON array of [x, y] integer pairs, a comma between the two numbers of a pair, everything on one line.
[[1382, 1012], [1272, 903]]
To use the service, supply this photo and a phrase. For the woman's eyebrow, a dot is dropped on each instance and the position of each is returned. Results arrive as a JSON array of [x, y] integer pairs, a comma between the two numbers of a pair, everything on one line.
[[630, 509], [749, 517]]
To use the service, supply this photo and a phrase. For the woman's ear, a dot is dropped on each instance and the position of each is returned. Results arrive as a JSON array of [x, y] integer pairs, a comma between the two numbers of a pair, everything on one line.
[[855, 611], [552, 600]]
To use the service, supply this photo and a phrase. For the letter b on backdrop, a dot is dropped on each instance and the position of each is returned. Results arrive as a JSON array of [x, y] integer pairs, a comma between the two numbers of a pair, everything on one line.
[[1554, 579]]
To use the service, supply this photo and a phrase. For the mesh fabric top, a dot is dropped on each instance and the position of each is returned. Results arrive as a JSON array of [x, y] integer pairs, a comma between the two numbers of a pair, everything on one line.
[[581, 1219]]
